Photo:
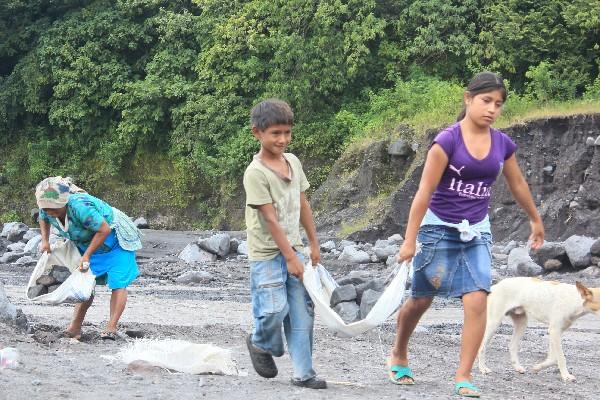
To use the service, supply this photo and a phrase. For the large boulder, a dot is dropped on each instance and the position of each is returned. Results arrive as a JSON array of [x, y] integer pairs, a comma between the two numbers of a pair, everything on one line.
[[348, 311], [578, 250], [369, 298], [194, 254], [33, 245], [191, 277], [595, 249], [355, 256], [30, 234], [242, 248], [521, 264], [218, 244], [9, 257], [383, 253], [141, 223], [342, 294], [14, 231], [16, 247], [548, 251], [328, 246], [374, 284]]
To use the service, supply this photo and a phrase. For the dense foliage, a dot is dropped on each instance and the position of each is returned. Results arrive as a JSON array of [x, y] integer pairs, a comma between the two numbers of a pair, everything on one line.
[[86, 86]]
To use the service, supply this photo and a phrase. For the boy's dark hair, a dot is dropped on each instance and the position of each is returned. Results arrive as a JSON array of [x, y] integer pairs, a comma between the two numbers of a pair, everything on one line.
[[271, 112], [484, 82]]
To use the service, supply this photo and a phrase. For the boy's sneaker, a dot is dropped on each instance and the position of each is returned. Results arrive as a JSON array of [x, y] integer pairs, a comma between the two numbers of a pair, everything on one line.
[[263, 362], [312, 383]]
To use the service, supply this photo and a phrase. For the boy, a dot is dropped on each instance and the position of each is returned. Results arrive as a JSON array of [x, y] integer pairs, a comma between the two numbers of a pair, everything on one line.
[[275, 207]]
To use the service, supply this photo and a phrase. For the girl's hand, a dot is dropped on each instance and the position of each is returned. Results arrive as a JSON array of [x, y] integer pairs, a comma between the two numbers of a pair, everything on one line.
[[537, 234], [406, 252], [84, 263], [45, 247]]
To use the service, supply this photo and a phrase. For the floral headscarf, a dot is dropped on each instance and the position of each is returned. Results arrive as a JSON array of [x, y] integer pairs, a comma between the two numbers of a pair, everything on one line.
[[54, 192]]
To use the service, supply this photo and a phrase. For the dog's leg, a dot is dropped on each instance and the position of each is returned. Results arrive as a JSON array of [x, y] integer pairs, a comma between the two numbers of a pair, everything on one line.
[[550, 359], [555, 336], [519, 325], [493, 322]]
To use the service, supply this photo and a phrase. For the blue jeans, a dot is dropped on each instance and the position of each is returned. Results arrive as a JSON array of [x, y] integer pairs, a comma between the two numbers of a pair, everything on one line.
[[279, 298]]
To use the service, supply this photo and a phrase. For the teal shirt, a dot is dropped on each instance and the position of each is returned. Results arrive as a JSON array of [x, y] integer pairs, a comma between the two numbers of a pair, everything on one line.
[[86, 214]]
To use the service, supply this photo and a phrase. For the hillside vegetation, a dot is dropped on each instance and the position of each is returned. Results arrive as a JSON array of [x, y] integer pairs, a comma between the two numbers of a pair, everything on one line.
[[146, 102]]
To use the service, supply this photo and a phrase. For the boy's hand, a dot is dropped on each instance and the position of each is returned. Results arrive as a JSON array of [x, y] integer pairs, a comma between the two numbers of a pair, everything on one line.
[[295, 266], [315, 256], [537, 234], [45, 247], [406, 252]]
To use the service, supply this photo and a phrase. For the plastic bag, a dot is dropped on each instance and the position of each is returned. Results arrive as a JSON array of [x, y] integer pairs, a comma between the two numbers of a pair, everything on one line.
[[9, 358], [182, 356], [320, 285], [77, 288]]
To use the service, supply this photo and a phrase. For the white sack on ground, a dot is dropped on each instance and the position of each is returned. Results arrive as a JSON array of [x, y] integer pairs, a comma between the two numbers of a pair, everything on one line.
[[182, 356], [78, 287], [320, 285]]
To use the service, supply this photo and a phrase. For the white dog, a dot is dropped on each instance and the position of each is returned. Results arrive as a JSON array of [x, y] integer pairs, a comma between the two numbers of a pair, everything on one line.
[[556, 304]]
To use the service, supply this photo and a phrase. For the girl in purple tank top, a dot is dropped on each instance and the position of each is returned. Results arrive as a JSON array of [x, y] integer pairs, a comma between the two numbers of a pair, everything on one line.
[[448, 218]]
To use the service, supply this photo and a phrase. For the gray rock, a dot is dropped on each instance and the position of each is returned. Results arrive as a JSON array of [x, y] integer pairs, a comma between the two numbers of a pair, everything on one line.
[[578, 250], [36, 290], [3, 243], [7, 227], [365, 246], [26, 260], [391, 260], [233, 245], [328, 246], [374, 258], [374, 284], [500, 257], [9, 313], [400, 148], [195, 277], [590, 272], [16, 247], [352, 255], [348, 310], [552, 265], [497, 249], [547, 251], [53, 287], [597, 141], [16, 232], [10, 257], [590, 141], [141, 223], [342, 294], [33, 245], [192, 253], [595, 249], [217, 244], [495, 276], [343, 243], [396, 238], [243, 248], [595, 260], [383, 253], [521, 264], [369, 298], [60, 273], [382, 243], [46, 280], [30, 234], [509, 247], [355, 278]]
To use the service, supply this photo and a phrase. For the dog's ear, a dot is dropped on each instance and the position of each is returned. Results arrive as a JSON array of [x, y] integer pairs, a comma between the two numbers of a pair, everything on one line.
[[585, 293]]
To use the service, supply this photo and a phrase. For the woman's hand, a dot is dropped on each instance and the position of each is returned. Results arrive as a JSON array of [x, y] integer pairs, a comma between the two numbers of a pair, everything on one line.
[[45, 247], [84, 263], [537, 234], [407, 251]]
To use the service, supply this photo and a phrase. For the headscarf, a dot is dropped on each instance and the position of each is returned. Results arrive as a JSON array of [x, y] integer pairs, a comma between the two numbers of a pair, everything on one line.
[[54, 192]]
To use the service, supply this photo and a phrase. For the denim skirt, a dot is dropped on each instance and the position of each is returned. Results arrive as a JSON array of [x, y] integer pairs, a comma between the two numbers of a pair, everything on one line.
[[447, 266]]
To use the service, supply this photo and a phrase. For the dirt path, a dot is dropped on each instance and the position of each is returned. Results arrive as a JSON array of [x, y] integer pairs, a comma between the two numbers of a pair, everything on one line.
[[219, 313]]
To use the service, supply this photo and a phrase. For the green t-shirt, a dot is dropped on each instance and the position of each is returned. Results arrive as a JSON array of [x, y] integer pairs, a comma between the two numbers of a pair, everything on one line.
[[265, 186]]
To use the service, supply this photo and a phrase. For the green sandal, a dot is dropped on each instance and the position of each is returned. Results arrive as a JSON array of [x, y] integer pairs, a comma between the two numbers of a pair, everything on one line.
[[397, 372], [474, 391]]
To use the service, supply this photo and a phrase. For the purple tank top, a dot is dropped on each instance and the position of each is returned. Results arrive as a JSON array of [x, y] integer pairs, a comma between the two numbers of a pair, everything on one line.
[[466, 185]]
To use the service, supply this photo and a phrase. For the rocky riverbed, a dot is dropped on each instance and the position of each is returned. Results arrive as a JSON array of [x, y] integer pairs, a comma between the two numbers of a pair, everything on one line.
[[213, 306]]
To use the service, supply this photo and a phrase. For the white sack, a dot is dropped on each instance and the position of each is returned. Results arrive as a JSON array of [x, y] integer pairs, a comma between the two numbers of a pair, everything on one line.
[[78, 287], [320, 285], [182, 356]]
